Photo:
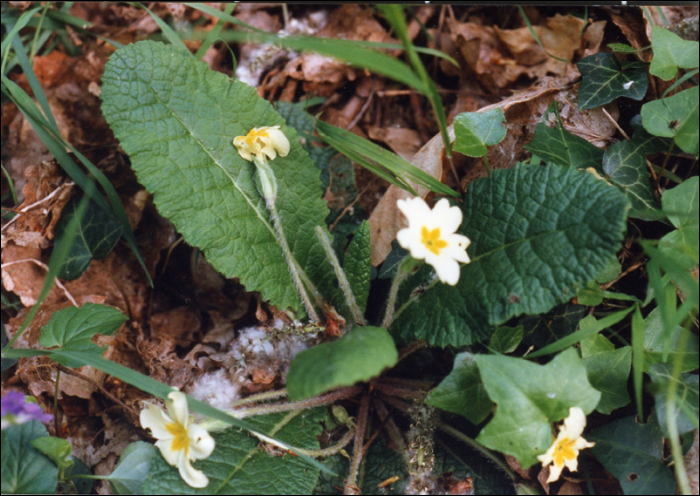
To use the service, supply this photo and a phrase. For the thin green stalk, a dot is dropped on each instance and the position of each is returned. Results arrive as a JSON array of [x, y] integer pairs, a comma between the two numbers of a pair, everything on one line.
[[448, 429], [537, 38], [672, 422], [638, 359], [55, 403], [340, 274], [37, 32], [402, 273], [11, 184], [214, 33]]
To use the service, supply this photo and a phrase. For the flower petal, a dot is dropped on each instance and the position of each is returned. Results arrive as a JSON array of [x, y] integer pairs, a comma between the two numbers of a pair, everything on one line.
[[554, 473], [416, 211], [166, 449], [279, 141], [192, 476], [449, 218], [201, 442], [447, 268], [155, 419], [457, 247], [574, 423], [177, 408], [410, 239]]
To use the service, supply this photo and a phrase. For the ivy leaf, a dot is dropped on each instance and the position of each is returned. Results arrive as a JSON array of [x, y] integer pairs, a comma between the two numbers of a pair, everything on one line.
[[608, 372], [675, 117], [25, 470], [97, 234], [530, 397], [505, 339], [474, 131], [633, 453], [462, 391], [73, 328], [624, 163], [604, 79], [538, 233], [681, 206], [358, 266], [176, 119], [240, 463], [670, 53], [556, 145], [685, 407], [683, 344], [357, 356], [132, 469]]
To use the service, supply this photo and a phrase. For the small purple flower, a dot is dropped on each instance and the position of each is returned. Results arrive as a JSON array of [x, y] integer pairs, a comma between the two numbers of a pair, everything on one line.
[[17, 410]]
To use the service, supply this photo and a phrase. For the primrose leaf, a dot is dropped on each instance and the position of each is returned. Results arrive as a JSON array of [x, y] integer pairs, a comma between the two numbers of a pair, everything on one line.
[[242, 464], [604, 80], [358, 266], [25, 470], [357, 356], [132, 469], [556, 145], [530, 397], [537, 234], [671, 52], [682, 345], [685, 407], [474, 131], [625, 165], [176, 119], [97, 234], [608, 372], [675, 117], [462, 391], [73, 328], [633, 453]]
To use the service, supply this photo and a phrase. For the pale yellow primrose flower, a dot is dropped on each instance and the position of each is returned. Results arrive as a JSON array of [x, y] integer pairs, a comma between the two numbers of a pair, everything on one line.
[[430, 235], [564, 450], [261, 142], [179, 441]]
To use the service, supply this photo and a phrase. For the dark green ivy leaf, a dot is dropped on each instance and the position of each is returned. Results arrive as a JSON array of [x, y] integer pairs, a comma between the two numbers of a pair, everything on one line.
[[605, 79], [97, 234], [474, 131]]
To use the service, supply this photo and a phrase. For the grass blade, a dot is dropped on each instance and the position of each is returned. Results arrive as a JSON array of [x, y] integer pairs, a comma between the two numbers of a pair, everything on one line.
[[167, 30], [376, 159], [638, 359], [214, 33]]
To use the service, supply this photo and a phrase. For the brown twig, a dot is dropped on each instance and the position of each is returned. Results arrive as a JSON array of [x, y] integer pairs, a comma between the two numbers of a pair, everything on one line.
[[357, 452]]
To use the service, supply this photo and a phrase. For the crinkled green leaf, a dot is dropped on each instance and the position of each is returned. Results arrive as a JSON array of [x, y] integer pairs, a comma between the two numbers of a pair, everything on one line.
[[505, 339], [24, 469], [625, 165], [633, 453], [538, 233], [332, 484], [97, 234], [57, 449], [685, 408], [556, 145], [176, 119], [530, 397], [605, 79], [675, 117], [541, 330], [358, 266], [671, 52], [72, 329], [682, 342], [357, 356], [132, 469], [462, 391], [474, 131], [608, 372], [681, 206], [240, 464]]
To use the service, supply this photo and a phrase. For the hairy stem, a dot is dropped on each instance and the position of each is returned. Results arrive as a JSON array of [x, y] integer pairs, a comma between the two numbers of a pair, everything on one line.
[[404, 269], [296, 405], [357, 452], [340, 274]]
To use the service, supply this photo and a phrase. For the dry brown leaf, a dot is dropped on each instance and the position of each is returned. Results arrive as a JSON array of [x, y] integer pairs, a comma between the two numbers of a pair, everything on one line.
[[570, 488], [402, 141]]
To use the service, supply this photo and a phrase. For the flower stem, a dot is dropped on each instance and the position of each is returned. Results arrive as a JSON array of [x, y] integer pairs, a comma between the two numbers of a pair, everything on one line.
[[340, 274], [404, 269], [357, 451]]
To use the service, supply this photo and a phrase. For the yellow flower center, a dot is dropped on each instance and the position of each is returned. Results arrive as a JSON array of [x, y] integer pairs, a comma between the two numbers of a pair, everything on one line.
[[181, 440], [253, 134], [432, 241], [564, 451]]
